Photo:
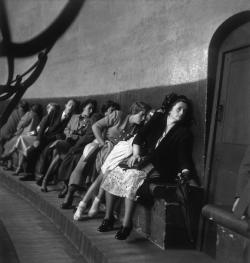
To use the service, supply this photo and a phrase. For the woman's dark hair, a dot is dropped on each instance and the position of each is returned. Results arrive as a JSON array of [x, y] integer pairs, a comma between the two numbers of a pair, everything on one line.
[[56, 106], [76, 105], [37, 108], [109, 104], [138, 106], [89, 101], [24, 105], [171, 100]]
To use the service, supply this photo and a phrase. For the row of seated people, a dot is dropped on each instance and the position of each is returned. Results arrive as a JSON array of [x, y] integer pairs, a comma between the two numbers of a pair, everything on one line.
[[114, 155]]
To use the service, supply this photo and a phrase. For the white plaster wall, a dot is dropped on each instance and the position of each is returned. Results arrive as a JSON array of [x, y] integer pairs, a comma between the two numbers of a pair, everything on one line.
[[117, 45]]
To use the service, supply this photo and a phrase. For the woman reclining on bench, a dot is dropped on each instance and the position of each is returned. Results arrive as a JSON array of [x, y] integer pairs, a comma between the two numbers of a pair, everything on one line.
[[9, 128], [108, 131], [169, 154], [75, 129], [26, 126], [25, 142], [51, 129], [73, 156], [120, 153]]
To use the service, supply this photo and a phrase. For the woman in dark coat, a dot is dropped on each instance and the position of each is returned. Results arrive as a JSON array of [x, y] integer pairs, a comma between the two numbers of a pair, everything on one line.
[[169, 142], [76, 128], [25, 141], [26, 126]]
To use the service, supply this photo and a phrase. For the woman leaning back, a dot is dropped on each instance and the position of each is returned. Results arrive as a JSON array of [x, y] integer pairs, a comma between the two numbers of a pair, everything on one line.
[[25, 141], [169, 153], [108, 131], [121, 152], [8, 130], [75, 129], [26, 125], [74, 154]]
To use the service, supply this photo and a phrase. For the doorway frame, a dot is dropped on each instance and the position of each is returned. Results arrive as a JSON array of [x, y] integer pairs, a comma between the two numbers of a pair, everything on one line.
[[213, 92]]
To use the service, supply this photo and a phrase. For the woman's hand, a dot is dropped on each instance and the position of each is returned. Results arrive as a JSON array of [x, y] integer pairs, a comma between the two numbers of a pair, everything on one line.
[[31, 133], [54, 144], [185, 172], [36, 143], [183, 175], [134, 159], [98, 134], [101, 144]]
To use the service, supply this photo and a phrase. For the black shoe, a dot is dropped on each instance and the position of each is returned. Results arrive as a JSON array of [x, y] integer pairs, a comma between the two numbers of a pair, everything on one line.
[[123, 232], [107, 225], [66, 205], [18, 171], [8, 168], [5, 157], [40, 181], [63, 192], [68, 201], [44, 189], [27, 177]]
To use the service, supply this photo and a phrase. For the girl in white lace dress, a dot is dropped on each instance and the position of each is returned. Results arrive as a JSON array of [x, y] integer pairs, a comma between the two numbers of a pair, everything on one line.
[[169, 143], [121, 151]]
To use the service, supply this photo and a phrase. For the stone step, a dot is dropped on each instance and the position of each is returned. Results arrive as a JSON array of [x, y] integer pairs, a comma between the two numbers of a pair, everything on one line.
[[32, 237], [7, 250], [94, 246]]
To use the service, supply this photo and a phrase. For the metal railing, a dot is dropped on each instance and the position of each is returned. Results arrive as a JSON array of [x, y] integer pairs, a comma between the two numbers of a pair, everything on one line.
[[40, 45]]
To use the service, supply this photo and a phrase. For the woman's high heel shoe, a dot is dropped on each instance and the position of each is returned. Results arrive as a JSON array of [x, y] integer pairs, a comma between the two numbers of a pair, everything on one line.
[[67, 204], [79, 211], [18, 171], [94, 209], [8, 166], [123, 232], [5, 157], [40, 181], [69, 198], [44, 188], [107, 225], [63, 192]]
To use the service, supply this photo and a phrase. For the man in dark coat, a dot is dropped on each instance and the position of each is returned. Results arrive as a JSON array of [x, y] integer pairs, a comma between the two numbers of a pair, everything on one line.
[[51, 129], [71, 159]]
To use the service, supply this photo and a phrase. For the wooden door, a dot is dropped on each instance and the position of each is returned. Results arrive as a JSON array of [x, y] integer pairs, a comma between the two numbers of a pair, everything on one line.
[[232, 124]]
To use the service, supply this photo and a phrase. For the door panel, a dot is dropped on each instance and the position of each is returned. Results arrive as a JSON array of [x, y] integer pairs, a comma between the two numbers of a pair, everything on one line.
[[236, 94], [233, 125]]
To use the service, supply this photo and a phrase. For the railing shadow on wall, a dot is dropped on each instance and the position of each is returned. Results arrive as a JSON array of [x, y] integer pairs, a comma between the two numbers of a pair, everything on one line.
[[219, 36]]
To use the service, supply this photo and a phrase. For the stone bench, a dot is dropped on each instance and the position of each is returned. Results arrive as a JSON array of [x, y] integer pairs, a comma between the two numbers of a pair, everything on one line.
[[165, 222]]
